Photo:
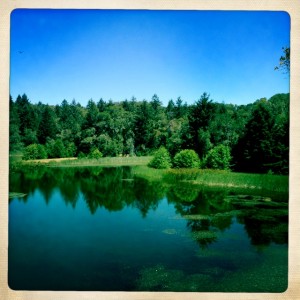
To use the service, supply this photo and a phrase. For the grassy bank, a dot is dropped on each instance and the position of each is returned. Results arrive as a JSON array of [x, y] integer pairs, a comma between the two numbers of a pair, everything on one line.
[[211, 178], [86, 162], [216, 178]]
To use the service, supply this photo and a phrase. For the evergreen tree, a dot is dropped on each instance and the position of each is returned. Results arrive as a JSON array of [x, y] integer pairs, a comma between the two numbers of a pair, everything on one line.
[[180, 108], [47, 127], [101, 105], [170, 110], [199, 118], [15, 142], [155, 103], [24, 112], [142, 127], [92, 116], [254, 151]]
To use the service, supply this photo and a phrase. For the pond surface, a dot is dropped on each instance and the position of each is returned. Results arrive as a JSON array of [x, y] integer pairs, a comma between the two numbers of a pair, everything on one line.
[[104, 229]]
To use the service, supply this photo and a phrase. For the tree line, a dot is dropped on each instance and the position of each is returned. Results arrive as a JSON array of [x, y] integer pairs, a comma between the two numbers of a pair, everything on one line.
[[255, 136]]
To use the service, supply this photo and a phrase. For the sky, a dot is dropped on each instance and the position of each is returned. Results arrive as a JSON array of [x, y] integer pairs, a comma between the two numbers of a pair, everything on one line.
[[117, 54]]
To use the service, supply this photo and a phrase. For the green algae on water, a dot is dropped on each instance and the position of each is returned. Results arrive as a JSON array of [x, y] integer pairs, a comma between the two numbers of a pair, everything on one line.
[[12, 195]]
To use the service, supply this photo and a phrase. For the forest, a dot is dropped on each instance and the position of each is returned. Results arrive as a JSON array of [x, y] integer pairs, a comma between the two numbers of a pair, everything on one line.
[[251, 138]]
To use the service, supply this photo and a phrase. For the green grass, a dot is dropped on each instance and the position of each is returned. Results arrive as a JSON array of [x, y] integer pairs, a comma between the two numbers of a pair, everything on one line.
[[87, 162], [198, 177], [149, 173], [275, 183], [15, 157]]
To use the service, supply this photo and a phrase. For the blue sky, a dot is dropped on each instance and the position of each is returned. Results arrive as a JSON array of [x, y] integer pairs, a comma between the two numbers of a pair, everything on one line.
[[117, 54]]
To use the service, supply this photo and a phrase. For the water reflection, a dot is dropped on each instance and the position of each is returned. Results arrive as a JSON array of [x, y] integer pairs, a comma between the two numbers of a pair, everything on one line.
[[161, 236], [208, 212]]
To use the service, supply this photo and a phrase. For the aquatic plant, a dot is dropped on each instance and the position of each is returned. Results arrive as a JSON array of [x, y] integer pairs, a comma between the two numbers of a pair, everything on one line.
[[204, 234], [160, 278], [196, 217], [170, 231], [12, 195]]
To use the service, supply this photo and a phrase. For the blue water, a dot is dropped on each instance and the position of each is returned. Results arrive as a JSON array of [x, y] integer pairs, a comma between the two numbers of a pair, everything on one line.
[[107, 235]]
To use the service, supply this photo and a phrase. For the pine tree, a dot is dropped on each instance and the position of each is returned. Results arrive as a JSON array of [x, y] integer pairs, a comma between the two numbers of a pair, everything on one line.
[[254, 151], [15, 143], [47, 127]]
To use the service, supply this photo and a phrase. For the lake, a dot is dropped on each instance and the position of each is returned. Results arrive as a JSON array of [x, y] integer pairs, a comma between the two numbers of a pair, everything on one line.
[[106, 229]]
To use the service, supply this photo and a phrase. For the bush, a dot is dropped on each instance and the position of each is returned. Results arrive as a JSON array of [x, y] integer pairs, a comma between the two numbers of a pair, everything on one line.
[[70, 149], [161, 159], [186, 159], [218, 158], [108, 146], [81, 155], [56, 148], [34, 151], [95, 154]]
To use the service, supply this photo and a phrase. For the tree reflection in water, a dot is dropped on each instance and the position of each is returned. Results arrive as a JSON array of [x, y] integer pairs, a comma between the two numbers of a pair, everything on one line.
[[114, 189]]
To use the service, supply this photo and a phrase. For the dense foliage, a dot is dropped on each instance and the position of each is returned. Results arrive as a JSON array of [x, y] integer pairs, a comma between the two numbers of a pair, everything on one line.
[[218, 158], [161, 159], [34, 151], [186, 159], [95, 154], [256, 135]]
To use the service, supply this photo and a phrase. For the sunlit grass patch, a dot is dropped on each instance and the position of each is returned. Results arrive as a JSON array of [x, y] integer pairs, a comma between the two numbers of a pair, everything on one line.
[[144, 171], [86, 162], [222, 178]]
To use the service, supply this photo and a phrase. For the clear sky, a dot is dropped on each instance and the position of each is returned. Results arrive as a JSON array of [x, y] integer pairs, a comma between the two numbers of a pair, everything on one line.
[[117, 54]]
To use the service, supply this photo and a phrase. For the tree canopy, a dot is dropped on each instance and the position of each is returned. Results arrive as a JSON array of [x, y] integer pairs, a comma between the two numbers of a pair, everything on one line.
[[247, 138]]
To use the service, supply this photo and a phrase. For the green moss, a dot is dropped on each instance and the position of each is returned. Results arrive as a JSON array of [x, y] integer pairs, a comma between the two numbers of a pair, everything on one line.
[[196, 217], [252, 201], [204, 234], [170, 231], [159, 278]]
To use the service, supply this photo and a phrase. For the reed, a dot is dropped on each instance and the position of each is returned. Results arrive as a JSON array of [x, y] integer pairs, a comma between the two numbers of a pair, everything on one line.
[[206, 177]]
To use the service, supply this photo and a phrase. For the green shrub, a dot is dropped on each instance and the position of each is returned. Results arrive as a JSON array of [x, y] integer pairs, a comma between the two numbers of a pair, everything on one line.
[[56, 148], [70, 149], [34, 151], [108, 146], [81, 155], [218, 158], [95, 154], [186, 159], [161, 159]]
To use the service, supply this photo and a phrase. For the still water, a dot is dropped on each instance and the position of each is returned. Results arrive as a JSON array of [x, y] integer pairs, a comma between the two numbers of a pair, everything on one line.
[[104, 229]]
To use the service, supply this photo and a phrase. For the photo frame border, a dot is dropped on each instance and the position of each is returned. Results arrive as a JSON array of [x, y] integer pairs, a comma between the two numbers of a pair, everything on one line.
[[292, 7]]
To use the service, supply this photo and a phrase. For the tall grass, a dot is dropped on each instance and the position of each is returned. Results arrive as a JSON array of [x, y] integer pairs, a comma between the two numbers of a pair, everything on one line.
[[149, 173], [276, 183]]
